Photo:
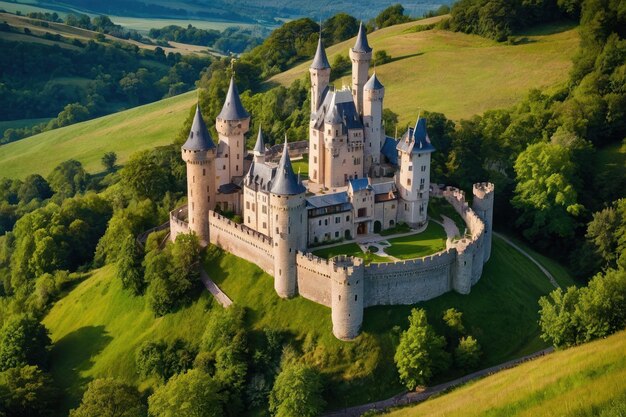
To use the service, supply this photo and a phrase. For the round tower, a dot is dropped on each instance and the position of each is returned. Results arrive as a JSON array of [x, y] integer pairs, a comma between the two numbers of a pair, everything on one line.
[[361, 56], [320, 75], [288, 211], [198, 152], [374, 93], [483, 206], [347, 297], [462, 274], [232, 124]]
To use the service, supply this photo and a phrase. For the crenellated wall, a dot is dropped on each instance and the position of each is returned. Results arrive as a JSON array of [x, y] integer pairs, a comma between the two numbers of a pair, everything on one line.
[[314, 277]]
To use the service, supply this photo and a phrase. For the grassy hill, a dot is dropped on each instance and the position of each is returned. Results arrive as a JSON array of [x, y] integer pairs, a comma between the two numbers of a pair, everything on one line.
[[581, 381], [125, 133], [457, 74], [97, 326]]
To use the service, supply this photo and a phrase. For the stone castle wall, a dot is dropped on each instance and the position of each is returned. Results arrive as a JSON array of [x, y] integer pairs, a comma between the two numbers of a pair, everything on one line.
[[314, 278]]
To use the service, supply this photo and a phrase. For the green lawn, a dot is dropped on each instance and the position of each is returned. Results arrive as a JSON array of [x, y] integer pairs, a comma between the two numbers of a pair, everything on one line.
[[430, 241], [455, 73], [582, 381], [97, 326], [350, 249], [440, 206], [301, 166], [125, 133]]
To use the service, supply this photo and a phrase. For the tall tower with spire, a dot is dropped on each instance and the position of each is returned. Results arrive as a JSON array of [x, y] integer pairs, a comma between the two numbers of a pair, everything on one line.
[[320, 75], [232, 124], [373, 95], [361, 56], [259, 148], [289, 225], [198, 152]]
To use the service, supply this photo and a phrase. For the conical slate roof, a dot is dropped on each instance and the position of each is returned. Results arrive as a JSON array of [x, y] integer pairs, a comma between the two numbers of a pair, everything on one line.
[[285, 180], [199, 138], [373, 83], [259, 147], [361, 44], [320, 61], [233, 109], [420, 135]]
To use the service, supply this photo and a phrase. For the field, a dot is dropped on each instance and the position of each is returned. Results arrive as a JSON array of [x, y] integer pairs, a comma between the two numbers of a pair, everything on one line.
[[97, 326], [455, 73], [582, 381], [126, 132], [19, 124]]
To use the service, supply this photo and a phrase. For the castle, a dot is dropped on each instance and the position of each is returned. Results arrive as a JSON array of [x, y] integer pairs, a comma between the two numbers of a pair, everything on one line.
[[360, 182]]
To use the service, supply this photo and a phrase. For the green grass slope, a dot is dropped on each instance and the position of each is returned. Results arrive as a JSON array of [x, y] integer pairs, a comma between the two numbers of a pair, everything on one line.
[[126, 132], [457, 74], [581, 381], [97, 326]]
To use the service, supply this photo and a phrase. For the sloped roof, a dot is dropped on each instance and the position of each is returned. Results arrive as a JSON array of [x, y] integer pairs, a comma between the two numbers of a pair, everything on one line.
[[233, 109], [320, 61], [373, 83], [325, 200], [361, 44], [199, 138], [285, 180], [260, 176], [360, 184], [389, 150], [259, 147], [415, 139]]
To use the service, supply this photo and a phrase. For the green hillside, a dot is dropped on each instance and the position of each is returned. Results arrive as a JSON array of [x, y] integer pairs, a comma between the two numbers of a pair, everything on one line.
[[457, 74], [97, 326], [125, 133], [581, 381]]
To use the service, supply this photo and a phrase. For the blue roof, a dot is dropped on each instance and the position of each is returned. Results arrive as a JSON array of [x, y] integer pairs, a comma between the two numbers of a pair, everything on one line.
[[373, 83], [285, 181], [361, 44], [233, 109], [416, 139], [389, 150], [199, 138], [259, 147], [320, 61], [360, 184]]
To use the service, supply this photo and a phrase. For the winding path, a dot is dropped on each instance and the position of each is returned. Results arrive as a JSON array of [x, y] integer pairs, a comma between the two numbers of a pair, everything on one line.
[[219, 295], [533, 260]]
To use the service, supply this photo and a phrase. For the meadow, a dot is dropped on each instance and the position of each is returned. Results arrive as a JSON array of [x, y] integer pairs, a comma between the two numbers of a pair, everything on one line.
[[125, 133], [97, 326], [583, 381], [457, 74]]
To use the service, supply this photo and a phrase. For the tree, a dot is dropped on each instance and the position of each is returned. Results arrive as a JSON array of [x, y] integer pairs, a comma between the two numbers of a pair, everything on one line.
[[297, 391], [546, 192], [34, 186], [191, 394], [392, 15], [27, 391], [467, 354], [420, 354], [23, 341], [129, 267], [222, 328], [454, 320], [163, 360], [381, 57], [107, 397], [72, 113], [338, 28], [108, 161], [606, 233], [68, 178]]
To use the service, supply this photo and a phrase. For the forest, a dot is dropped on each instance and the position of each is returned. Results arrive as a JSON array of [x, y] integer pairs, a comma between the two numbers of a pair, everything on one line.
[[541, 154]]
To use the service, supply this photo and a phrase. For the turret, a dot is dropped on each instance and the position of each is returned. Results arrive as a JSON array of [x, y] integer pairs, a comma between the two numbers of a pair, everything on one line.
[[320, 76], [462, 275], [347, 297], [288, 208], [361, 56], [483, 206], [373, 93], [232, 124], [259, 148], [198, 152], [413, 179]]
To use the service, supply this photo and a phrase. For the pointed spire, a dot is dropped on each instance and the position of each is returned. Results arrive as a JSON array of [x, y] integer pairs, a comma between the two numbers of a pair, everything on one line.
[[285, 181], [361, 44], [373, 83], [233, 109], [199, 138], [320, 61], [259, 147], [420, 135]]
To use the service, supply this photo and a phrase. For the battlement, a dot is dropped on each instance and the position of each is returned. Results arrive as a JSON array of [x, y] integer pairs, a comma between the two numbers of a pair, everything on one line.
[[216, 218], [483, 190]]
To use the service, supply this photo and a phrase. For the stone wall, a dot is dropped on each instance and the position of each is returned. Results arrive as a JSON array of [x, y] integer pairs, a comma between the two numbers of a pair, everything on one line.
[[314, 278], [241, 241], [178, 223]]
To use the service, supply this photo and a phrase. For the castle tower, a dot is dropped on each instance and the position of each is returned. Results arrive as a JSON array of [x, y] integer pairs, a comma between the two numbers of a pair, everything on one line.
[[259, 148], [462, 273], [413, 179], [320, 75], [347, 297], [373, 93], [361, 56], [199, 154], [232, 124], [483, 206], [288, 209]]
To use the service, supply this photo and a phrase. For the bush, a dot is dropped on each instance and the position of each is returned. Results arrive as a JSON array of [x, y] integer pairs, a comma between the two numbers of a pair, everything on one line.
[[467, 354], [108, 397]]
